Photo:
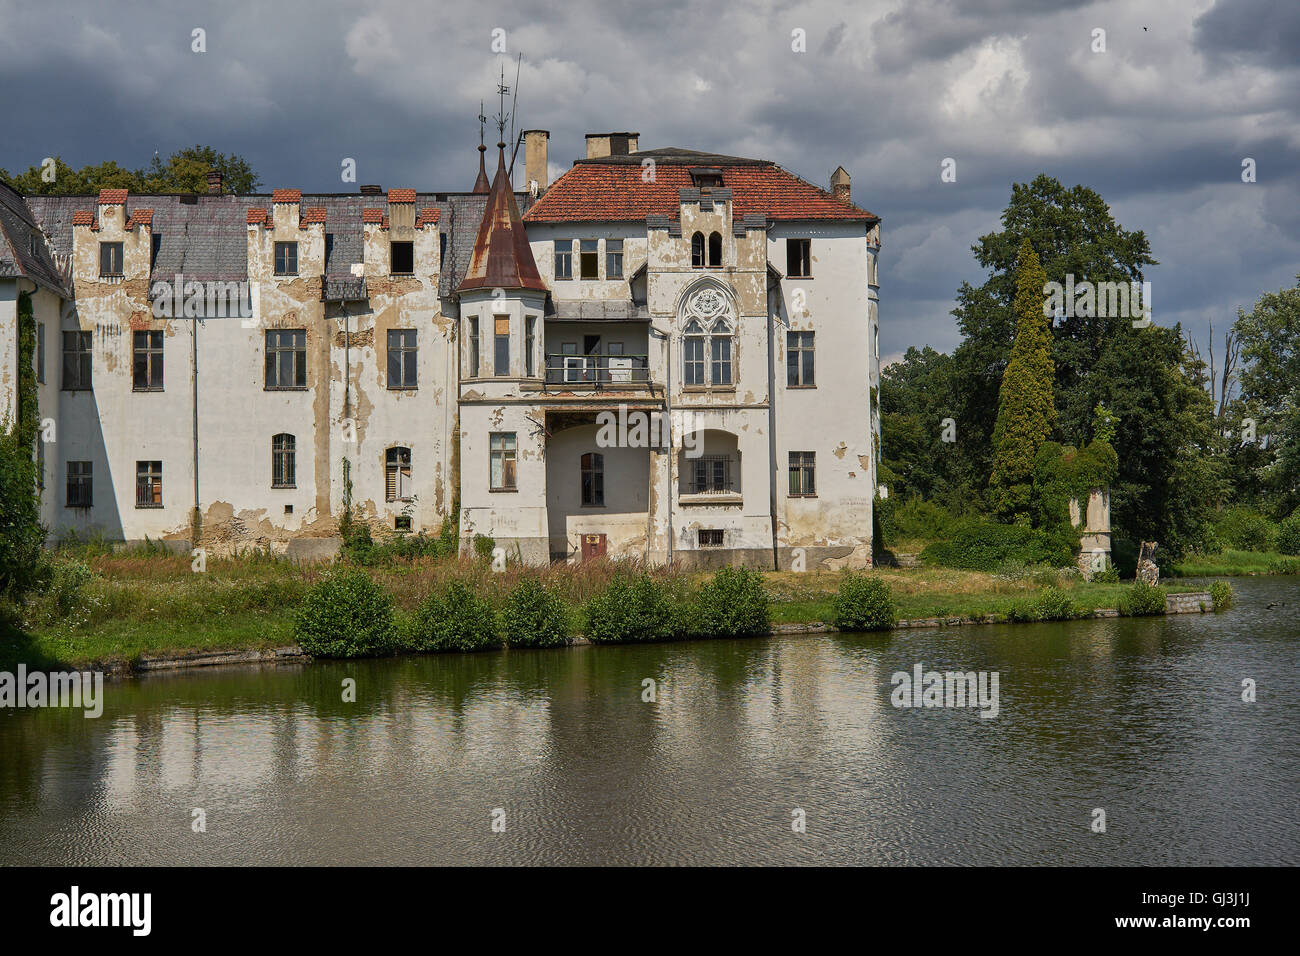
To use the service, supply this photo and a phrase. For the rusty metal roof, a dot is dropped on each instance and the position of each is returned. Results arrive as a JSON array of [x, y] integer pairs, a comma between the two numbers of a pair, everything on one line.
[[502, 258]]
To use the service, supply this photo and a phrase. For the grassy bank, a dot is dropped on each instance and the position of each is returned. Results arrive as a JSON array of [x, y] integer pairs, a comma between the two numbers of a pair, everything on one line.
[[110, 609], [1236, 563]]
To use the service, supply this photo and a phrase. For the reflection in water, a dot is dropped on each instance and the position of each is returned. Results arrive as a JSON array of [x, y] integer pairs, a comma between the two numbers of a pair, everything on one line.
[[1140, 717]]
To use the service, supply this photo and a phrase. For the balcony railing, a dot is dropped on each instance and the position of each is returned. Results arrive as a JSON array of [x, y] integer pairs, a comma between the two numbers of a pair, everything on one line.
[[597, 371]]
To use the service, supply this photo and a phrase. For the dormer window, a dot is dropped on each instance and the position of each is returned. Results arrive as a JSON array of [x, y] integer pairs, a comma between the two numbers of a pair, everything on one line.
[[110, 258], [706, 177]]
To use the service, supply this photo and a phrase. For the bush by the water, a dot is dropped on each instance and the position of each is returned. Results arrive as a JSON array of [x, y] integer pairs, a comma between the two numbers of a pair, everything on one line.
[[733, 604], [345, 614], [535, 616], [1221, 594], [631, 608], [1050, 604], [453, 619], [978, 545], [864, 604], [1284, 566], [1143, 599], [1288, 534]]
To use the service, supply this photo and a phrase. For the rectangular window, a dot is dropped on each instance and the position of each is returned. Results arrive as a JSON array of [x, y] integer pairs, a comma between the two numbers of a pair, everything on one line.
[[397, 474], [530, 343], [721, 360], [148, 484], [110, 258], [284, 464], [613, 258], [286, 258], [40, 352], [401, 358], [402, 523], [593, 480], [76, 361], [81, 484], [798, 258], [803, 474], [799, 366], [286, 358], [401, 259], [503, 460], [147, 361], [693, 360], [710, 537], [501, 345], [564, 258], [589, 259], [710, 474]]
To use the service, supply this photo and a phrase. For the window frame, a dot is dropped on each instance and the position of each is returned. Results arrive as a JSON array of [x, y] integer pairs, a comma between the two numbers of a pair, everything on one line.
[[800, 357], [287, 247], [284, 460], [503, 446], [397, 458], [83, 481], [803, 464], [697, 251], [589, 249], [563, 256], [500, 346], [149, 494], [530, 345], [272, 359], [613, 258], [82, 353], [115, 250], [804, 244], [407, 352], [715, 250], [392, 257], [153, 359], [591, 479]]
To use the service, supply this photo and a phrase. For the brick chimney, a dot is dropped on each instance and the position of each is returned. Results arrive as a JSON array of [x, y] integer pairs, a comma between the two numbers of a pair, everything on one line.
[[536, 148], [371, 190], [840, 184], [214, 181]]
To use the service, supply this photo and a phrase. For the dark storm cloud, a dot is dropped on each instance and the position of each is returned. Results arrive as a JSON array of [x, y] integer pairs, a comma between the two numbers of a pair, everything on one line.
[[1159, 123]]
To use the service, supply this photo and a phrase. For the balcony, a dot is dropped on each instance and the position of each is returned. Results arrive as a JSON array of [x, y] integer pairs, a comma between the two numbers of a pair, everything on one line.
[[597, 372], [343, 289]]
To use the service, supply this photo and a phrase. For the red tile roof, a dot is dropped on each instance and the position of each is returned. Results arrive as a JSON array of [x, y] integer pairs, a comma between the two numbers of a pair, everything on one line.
[[256, 215], [140, 217], [286, 195], [372, 215], [601, 191], [112, 197], [401, 195], [312, 214], [428, 216], [83, 217]]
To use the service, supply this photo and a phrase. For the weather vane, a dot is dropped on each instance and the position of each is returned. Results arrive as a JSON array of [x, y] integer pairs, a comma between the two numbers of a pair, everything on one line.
[[502, 90]]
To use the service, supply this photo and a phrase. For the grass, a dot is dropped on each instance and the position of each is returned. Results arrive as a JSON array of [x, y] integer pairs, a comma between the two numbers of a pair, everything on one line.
[[1229, 563], [147, 602]]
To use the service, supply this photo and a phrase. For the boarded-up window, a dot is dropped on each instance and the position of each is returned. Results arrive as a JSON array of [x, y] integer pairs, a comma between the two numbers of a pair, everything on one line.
[[397, 474], [504, 458]]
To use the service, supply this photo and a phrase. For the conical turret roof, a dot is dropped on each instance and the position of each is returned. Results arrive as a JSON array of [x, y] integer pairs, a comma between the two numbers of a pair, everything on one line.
[[502, 258]]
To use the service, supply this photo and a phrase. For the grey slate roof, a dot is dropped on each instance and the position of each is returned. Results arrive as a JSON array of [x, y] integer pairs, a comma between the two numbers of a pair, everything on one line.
[[206, 236], [23, 250]]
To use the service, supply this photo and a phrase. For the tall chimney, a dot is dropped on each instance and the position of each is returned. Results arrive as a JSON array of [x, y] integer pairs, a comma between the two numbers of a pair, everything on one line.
[[214, 181], [840, 184], [597, 145], [536, 147]]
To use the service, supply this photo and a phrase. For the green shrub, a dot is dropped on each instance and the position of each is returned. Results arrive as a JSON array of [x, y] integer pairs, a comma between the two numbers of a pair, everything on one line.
[[981, 545], [1288, 534], [1243, 530], [484, 546], [631, 609], [535, 616], [1221, 594], [1143, 599], [68, 578], [1054, 604], [455, 619], [731, 605], [864, 604], [1108, 576], [1023, 611], [917, 518], [1284, 566], [345, 614]]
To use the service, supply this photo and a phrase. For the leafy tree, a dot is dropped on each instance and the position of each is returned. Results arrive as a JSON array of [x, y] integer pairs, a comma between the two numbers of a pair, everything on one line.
[[1026, 409], [184, 171], [21, 533]]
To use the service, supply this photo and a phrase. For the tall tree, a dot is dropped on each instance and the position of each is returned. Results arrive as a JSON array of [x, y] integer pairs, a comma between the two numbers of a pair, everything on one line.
[[184, 171], [1026, 408], [923, 451]]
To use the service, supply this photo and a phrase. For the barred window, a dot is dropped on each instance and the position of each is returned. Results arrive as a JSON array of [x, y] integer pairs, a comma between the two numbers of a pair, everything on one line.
[[81, 484], [799, 366], [76, 361], [710, 537], [147, 361], [503, 460], [803, 474], [402, 356], [284, 465], [710, 474], [148, 484], [397, 474], [286, 358]]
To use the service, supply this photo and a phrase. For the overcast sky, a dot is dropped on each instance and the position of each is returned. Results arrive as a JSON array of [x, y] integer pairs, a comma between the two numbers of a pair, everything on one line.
[[1159, 123]]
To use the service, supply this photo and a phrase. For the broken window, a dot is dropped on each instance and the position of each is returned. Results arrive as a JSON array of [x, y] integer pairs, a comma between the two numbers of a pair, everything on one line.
[[564, 258], [715, 250], [286, 258], [589, 259], [613, 258], [401, 259], [402, 356], [397, 474], [148, 484], [147, 361], [593, 480], [710, 537], [503, 460], [76, 361], [799, 367], [697, 251], [286, 358], [803, 482], [284, 465], [81, 484], [798, 259], [501, 345], [110, 258]]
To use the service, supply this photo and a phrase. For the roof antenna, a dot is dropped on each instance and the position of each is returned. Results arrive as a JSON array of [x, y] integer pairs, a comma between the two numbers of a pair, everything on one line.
[[502, 90], [514, 108]]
